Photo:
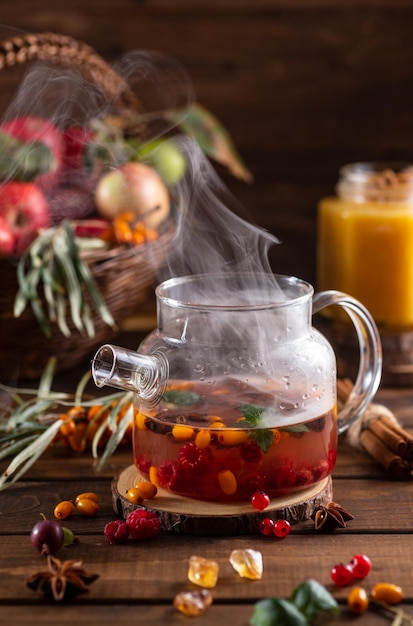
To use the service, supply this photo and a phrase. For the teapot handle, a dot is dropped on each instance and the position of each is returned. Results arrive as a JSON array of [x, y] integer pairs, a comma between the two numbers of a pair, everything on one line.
[[370, 365]]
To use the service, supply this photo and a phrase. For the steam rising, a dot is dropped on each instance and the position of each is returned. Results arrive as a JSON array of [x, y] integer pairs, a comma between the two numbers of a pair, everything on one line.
[[212, 237]]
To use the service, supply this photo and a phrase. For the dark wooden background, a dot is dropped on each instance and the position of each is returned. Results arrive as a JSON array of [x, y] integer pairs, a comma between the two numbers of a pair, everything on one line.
[[304, 86]]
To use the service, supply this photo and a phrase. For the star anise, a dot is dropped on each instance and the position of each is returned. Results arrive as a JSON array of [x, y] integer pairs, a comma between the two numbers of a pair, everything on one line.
[[61, 579], [331, 516]]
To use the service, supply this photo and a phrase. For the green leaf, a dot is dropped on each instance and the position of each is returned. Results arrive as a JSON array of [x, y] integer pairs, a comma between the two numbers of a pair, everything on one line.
[[212, 138], [180, 398], [252, 413], [315, 602], [277, 612], [263, 438]]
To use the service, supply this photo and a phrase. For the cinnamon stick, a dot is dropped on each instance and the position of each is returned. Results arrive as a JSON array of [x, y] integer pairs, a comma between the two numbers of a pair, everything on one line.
[[397, 468], [407, 437], [389, 435]]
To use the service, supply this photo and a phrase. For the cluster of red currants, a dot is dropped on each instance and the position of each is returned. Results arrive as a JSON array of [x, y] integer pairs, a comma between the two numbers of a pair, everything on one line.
[[344, 574]]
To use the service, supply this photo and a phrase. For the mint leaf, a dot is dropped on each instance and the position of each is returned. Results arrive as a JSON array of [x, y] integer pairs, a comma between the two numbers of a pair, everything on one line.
[[252, 413], [180, 398], [263, 438], [315, 602], [295, 428], [277, 612]]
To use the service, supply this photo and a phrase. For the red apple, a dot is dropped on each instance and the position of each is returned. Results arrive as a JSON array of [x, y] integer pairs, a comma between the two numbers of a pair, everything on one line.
[[30, 129], [24, 208], [6, 238], [133, 187], [75, 140]]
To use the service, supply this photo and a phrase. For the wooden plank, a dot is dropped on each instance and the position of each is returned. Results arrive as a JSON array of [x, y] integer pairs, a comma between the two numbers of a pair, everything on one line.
[[156, 570], [22, 505], [125, 614]]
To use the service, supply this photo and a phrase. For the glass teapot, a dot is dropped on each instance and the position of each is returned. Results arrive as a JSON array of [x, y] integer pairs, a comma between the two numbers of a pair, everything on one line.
[[235, 390]]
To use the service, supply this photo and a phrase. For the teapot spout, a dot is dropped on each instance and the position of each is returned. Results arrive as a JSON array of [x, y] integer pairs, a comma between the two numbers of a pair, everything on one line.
[[145, 375]]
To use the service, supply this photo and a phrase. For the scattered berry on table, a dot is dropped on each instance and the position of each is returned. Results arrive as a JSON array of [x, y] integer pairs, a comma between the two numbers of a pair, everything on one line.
[[341, 574], [143, 524], [357, 600], [89, 495], [47, 536], [281, 528], [387, 592], [87, 507], [116, 531], [64, 509], [361, 565], [267, 526]]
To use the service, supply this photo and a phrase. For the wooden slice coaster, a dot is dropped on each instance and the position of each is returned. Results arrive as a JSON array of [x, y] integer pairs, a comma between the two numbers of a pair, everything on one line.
[[196, 517]]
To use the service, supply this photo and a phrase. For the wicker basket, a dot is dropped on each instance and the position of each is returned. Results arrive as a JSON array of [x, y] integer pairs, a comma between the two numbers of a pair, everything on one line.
[[123, 274]]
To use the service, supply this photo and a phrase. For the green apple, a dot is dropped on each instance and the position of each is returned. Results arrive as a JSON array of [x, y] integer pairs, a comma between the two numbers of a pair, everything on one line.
[[166, 157]]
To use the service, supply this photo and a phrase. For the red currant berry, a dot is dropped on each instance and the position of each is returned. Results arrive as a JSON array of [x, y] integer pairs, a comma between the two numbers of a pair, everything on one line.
[[267, 526], [282, 528], [260, 500], [341, 575], [361, 565]]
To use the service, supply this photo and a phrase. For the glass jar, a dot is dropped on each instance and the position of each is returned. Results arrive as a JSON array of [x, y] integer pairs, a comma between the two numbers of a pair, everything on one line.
[[365, 240]]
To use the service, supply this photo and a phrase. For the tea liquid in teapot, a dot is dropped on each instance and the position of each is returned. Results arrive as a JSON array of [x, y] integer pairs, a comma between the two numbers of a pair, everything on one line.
[[215, 441]]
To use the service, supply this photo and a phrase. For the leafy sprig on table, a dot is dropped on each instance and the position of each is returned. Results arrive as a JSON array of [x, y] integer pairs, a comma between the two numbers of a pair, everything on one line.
[[310, 603], [35, 418]]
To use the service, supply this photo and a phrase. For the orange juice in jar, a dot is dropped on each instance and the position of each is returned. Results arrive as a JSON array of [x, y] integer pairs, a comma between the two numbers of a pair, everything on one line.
[[365, 240]]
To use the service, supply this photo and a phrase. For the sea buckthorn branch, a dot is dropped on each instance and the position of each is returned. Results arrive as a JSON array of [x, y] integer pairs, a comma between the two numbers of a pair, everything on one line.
[[38, 418]]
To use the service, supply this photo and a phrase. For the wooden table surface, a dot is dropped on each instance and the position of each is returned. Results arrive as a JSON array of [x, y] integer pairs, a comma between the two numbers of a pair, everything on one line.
[[137, 581]]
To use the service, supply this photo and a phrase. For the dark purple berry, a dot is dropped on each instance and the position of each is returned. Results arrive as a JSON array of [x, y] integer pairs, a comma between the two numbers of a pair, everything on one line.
[[47, 536]]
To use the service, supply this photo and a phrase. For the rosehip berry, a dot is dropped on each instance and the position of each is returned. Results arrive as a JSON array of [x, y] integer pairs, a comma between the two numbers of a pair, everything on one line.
[[267, 526], [282, 528], [143, 524], [361, 565], [341, 574], [116, 531], [260, 500]]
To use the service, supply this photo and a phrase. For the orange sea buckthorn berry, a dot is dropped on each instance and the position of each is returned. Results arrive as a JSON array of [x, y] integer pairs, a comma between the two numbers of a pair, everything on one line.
[[140, 421], [87, 507], [182, 433], [277, 435], [153, 475], [88, 495], [203, 438], [227, 482], [134, 495], [387, 592], [232, 436], [94, 411], [217, 425], [357, 600], [147, 489], [68, 427], [64, 509]]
